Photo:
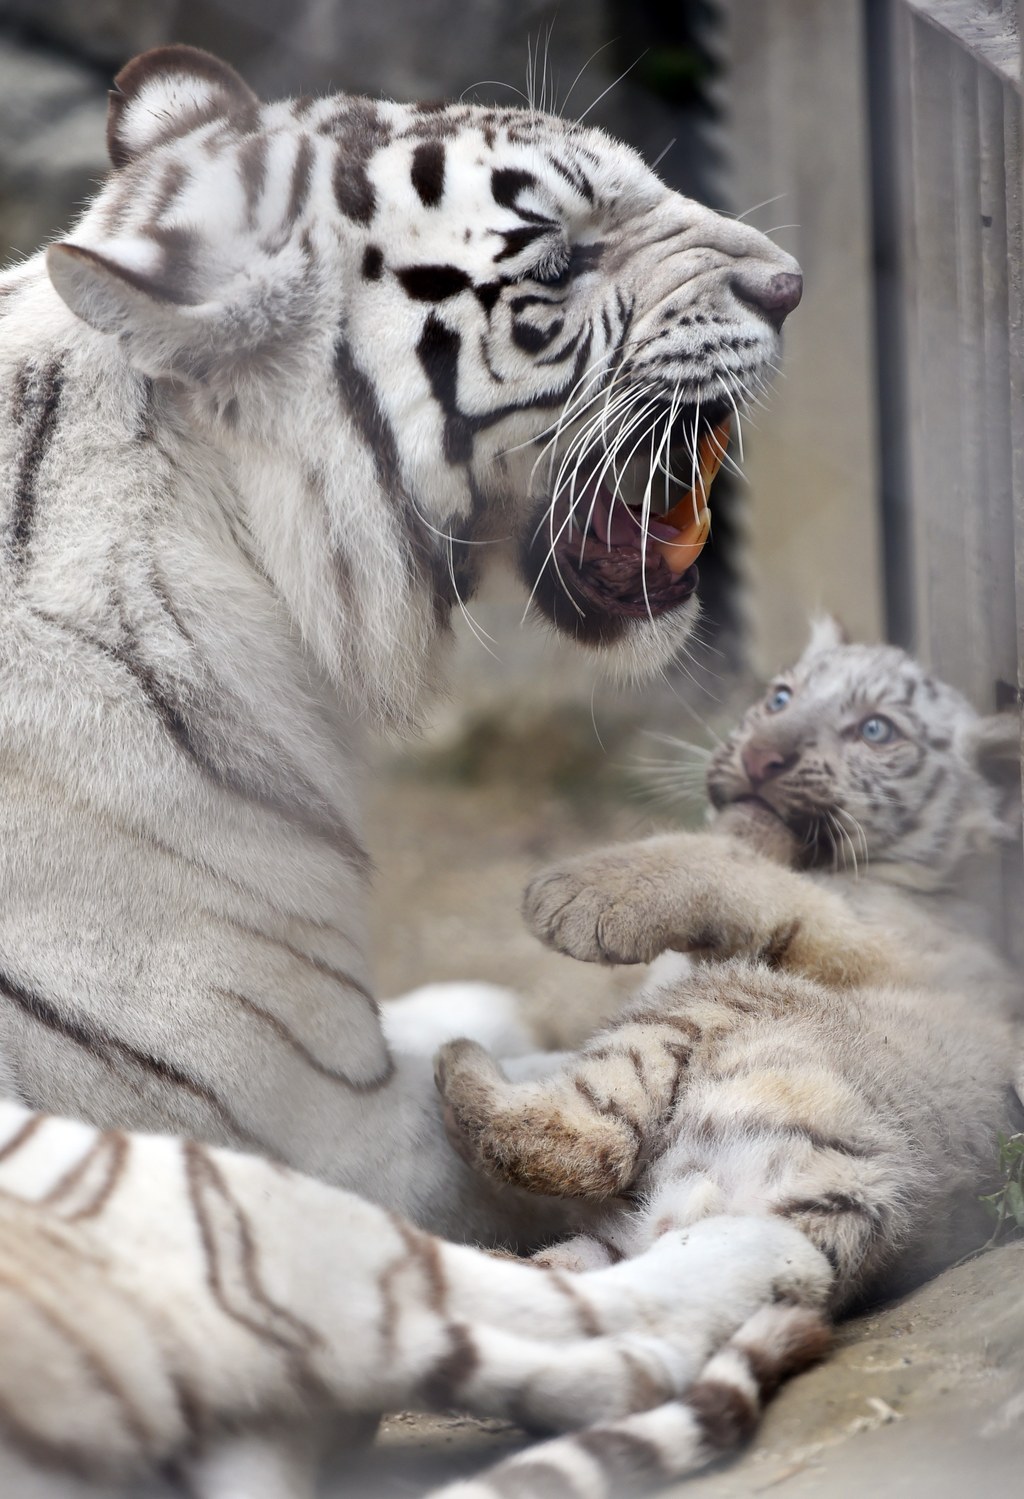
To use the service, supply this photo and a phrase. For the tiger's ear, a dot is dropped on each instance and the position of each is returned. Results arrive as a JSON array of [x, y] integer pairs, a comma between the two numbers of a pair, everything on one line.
[[826, 635], [111, 288], [190, 285], [992, 745], [179, 305], [138, 292], [169, 91]]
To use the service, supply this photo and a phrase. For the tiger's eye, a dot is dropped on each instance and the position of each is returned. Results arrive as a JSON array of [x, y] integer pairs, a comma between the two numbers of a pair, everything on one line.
[[877, 730], [778, 698]]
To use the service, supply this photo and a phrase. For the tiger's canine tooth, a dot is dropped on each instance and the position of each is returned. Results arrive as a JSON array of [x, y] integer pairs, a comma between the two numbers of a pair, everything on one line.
[[681, 554], [695, 527]]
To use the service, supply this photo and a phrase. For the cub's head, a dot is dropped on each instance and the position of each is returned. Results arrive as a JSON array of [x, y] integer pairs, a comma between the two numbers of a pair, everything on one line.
[[474, 329], [868, 759]]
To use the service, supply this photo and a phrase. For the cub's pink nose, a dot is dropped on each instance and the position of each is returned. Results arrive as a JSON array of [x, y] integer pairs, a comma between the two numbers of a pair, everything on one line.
[[773, 296], [763, 764]]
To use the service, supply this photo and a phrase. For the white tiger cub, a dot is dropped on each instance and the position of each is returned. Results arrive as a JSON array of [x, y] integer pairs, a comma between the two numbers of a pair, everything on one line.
[[263, 408], [837, 1057], [299, 368]]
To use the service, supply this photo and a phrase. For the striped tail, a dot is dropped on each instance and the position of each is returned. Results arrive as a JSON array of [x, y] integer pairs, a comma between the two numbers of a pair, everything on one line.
[[718, 1414]]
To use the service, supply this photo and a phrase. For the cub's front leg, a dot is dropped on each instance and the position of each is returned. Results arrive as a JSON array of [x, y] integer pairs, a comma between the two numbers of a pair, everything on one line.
[[694, 892], [710, 894]]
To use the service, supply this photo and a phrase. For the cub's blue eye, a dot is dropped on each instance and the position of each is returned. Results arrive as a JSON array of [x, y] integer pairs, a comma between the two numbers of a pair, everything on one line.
[[778, 698], [878, 730]]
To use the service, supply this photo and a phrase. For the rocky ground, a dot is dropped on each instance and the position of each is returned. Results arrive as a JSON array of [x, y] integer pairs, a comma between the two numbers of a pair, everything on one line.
[[922, 1397]]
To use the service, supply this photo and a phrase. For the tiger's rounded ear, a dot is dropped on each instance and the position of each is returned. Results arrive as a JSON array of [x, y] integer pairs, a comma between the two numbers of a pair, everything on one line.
[[992, 744], [169, 91], [826, 635]]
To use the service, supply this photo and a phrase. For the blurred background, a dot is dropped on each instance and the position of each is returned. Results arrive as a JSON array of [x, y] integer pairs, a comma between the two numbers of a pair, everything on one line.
[[880, 142]]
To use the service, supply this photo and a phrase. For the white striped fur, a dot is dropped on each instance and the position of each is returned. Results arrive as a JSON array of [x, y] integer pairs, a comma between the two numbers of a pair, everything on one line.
[[836, 1052], [275, 404], [297, 373], [168, 1306]]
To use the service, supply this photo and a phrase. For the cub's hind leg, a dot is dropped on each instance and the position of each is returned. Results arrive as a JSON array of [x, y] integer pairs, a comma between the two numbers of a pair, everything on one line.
[[158, 1294], [588, 1129], [577, 1134]]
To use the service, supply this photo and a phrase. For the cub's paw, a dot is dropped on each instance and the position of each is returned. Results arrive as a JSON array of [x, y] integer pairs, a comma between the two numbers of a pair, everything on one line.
[[467, 1078], [606, 907], [525, 1135]]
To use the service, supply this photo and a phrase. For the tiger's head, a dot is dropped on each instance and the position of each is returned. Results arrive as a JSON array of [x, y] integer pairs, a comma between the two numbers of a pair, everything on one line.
[[872, 762], [466, 330]]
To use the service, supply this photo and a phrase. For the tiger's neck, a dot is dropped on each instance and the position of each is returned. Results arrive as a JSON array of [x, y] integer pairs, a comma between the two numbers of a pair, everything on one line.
[[180, 568], [300, 539]]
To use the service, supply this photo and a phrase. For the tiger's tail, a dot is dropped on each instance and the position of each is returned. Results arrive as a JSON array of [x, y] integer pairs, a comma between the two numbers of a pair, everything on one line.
[[718, 1414]]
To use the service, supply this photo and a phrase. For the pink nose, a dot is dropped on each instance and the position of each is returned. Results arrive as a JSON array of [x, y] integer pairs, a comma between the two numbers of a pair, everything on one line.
[[774, 296], [763, 764]]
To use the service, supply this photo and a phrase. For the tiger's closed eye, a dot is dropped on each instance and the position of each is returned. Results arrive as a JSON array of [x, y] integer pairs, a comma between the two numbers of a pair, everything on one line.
[[878, 730]]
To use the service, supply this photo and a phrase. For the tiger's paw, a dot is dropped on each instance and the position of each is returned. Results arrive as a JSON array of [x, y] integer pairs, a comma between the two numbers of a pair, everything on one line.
[[525, 1134], [606, 907]]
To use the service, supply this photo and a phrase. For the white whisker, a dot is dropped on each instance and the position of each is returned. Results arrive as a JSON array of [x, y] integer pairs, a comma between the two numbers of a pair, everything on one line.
[[614, 83], [663, 153], [765, 203]]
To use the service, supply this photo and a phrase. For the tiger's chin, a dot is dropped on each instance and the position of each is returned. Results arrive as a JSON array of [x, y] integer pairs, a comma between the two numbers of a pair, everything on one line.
[[599, 593]]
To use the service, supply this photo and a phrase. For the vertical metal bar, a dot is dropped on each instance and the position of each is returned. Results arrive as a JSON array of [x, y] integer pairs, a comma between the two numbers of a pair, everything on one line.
[[886, 48], [998, 167], [963, 613], [1014, 137], [932, 371]]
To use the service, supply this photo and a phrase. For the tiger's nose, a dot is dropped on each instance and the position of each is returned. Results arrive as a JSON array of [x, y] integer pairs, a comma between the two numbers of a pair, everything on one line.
[[763, 764], [772, 296]]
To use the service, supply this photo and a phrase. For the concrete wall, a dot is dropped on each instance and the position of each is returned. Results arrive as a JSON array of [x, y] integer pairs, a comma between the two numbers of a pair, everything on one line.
[[797, 135]]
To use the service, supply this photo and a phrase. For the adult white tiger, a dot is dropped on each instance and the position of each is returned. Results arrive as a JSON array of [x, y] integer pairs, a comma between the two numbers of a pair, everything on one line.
[[294, 364]]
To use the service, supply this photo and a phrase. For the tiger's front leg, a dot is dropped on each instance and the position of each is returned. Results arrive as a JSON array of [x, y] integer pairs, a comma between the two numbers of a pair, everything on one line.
[[711, 894]]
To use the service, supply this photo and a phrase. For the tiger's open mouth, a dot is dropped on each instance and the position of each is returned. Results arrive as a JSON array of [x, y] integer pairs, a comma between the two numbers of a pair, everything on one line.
[[624, 542]]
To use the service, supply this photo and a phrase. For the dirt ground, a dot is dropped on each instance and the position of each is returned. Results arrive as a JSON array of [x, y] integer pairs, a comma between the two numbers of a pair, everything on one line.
[[924, 1397]]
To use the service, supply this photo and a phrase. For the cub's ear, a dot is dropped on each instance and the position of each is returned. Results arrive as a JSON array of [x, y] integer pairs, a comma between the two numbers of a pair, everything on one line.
[[993, 746], [826, 634], [169, 91]]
